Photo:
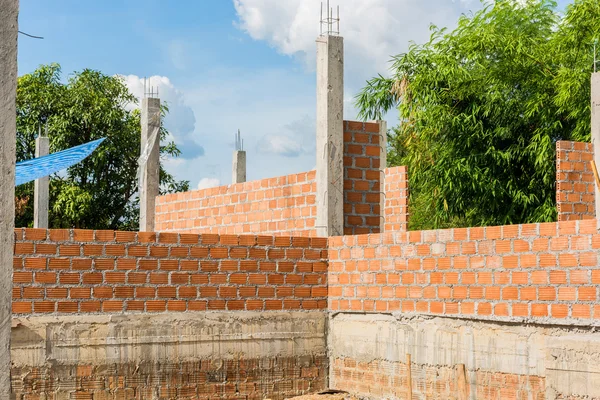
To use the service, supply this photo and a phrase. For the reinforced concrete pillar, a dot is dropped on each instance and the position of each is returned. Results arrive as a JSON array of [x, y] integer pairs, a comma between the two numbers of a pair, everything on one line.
[[239, 161], [596, 133], [239, 166], [382, 167], [330, 136], [41, 192], [149, 162], [9, 11]]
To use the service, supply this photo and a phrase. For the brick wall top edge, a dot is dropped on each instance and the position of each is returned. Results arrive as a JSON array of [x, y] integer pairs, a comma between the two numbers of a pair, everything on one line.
[[104, 236], [547, 229], [239, 187]]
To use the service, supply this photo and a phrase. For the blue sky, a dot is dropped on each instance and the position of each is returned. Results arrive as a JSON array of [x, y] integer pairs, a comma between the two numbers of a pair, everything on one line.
[[229, 64]]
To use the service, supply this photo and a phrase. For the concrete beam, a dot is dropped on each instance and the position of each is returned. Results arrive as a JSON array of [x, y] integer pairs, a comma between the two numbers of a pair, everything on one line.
[[330, 136], [9, 12], [149, 162], [596, 133], [41, 192], [239, 167], [382, 167]]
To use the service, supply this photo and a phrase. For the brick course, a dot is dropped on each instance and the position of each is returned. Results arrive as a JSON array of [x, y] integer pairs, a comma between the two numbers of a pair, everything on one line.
[[60, 271], [386, 379], [362, 177], [396, 199], [575, 186], [241, 378], [284, 206], [539, 271]]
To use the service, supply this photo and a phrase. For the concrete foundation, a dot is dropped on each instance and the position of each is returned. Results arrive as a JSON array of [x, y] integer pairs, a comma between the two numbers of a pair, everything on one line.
[[149, 162], [330, 136], [41, 193], [491, 360], [254, 355], [239, 167], [9, 11]]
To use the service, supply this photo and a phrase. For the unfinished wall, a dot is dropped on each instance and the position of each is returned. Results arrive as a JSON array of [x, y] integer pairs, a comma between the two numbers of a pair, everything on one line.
[[283, 205], [395, 199], [574, 181], [362, 177], [496, 281], [167, 315]]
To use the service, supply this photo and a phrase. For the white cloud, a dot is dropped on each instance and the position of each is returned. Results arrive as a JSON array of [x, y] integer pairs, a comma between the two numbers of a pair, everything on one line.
[[206, 183], [295, 139], [180, 121], [373, 30]]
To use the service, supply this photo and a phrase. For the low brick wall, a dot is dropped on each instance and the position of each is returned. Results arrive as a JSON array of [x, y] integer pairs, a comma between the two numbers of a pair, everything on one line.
[[575, 187], [284, 206], [538, 271], [61, 271], [396, 199], [362, 177]]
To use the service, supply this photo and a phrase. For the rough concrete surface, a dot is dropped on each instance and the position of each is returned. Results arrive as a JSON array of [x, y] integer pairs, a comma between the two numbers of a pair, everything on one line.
[[330, 136], [568, 358], [239, 167], [147, 352], [595, 110], [41, 191], [149, 188], [9, 11]]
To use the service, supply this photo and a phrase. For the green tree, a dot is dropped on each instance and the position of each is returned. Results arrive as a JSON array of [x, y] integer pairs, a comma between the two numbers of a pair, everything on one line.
[[482, 107], [101, 191]]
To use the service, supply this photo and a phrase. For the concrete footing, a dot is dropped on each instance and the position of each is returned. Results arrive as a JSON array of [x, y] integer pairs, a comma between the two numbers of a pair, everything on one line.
[[539, 362], [217, 354]]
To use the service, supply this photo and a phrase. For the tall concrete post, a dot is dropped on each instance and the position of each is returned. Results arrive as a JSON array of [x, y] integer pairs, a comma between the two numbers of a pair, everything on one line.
[[239, 161], [382, 167], [596, 133], [330, 136], [149, 162], [41, 192], [9, 11]]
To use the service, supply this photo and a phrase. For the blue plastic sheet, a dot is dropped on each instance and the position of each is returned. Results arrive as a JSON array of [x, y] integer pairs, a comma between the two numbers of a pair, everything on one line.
[[30, 170]]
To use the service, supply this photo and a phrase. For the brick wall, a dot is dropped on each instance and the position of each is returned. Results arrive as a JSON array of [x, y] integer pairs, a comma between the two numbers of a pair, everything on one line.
[[538, 271], [386, 379], [396, 199], [575, 184], [62, 271], [285, 205], [361, 178]]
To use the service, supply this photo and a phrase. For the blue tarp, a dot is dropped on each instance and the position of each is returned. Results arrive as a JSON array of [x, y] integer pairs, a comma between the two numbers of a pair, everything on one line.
[[40, 167]]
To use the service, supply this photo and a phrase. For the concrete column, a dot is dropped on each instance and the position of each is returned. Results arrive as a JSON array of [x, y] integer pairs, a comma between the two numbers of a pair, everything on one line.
[[9, 11], [41, 192], [382, 167], [239, 166], [149, 162], [596, 133], [330, 136]]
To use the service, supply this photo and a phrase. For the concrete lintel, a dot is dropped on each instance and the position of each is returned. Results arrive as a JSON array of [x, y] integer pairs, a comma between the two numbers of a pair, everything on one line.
[[150, 152], [239, 167], [41, 192], [330, 136]]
